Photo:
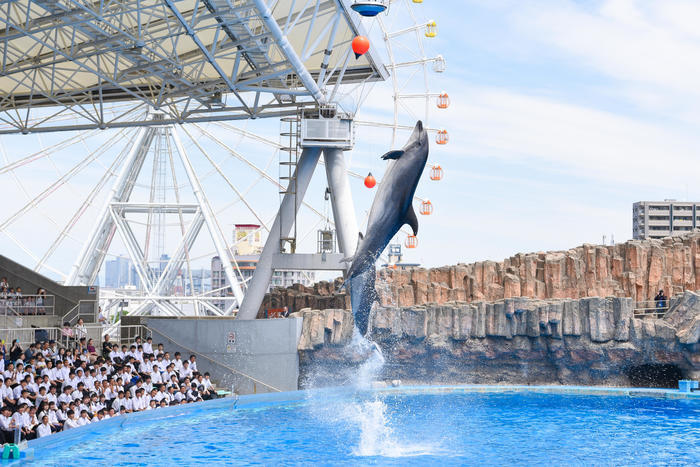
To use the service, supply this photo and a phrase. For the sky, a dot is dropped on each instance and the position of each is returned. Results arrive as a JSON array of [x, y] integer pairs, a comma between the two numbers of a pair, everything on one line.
[[563, 114]]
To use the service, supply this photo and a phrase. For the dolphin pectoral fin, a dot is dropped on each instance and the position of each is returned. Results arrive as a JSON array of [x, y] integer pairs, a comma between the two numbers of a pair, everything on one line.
[[393, 154], [412, 220]]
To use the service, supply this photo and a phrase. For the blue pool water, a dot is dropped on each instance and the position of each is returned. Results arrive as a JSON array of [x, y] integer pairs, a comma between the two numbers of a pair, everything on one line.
[[417, 427]]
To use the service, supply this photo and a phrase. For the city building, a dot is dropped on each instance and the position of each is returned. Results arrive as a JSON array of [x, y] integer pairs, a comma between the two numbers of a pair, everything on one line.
[[659, 219], [247, 239], [120, 273], [248, 246], [246, 268]]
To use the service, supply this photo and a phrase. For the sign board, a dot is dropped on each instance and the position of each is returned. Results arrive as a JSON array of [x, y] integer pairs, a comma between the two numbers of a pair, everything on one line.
[[92, 290], [230, 341]]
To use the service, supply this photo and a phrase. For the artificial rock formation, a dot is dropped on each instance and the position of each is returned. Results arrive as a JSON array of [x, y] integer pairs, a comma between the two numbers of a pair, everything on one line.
[[635, 269], [516, 341]]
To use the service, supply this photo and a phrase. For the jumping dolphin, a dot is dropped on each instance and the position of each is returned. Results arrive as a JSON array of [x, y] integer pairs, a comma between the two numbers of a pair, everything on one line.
[[391, 209]]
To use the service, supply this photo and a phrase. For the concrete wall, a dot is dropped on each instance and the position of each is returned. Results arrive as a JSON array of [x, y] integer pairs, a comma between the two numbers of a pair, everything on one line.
[[263, 349], [65, 297]]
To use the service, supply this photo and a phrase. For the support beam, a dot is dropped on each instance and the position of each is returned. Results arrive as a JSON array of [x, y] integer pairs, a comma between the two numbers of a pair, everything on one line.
[[209, 218], [341, 200], [309, 262], [88, 263], [263, 271], [289, 52]]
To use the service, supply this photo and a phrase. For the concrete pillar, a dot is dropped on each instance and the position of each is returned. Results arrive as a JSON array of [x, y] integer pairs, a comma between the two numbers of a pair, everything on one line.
[[341, 200], [257, 287]]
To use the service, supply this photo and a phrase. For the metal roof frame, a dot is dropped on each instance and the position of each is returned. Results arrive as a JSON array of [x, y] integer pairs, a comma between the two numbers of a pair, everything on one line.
[[81, 64]]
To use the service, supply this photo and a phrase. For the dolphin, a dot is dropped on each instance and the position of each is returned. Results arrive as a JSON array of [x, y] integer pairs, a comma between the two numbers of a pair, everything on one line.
[[392, 208]]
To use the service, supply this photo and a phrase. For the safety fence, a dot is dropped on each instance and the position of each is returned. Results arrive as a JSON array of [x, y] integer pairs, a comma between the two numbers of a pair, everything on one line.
[[70, 336], [655, 309], [27, 305]]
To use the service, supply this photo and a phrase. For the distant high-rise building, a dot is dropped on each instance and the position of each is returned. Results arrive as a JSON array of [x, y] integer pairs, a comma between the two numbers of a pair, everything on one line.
[[659, 219], [119, 273], [245, 270]]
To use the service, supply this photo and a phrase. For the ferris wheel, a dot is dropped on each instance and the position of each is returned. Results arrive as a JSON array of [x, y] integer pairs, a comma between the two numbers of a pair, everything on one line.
[[149, 194]]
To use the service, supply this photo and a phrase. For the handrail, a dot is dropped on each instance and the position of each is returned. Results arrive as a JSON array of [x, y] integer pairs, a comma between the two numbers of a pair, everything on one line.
[[212, 360], [652, 308], [77, 313], [65, 318], [28, 304]]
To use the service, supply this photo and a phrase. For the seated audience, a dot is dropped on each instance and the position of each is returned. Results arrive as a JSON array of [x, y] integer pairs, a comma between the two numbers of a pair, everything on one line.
[[50, 387]]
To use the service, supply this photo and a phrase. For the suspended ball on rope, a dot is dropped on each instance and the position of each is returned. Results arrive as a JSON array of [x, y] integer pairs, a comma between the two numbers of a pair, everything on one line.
[[370, 181], [360, 45]]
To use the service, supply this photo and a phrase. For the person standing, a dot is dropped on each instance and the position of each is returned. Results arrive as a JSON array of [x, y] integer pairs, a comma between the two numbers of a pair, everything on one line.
[[660, 299]]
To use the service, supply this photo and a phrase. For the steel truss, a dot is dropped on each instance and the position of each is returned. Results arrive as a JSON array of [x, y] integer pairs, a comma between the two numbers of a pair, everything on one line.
[[157, 285], [78, 64]]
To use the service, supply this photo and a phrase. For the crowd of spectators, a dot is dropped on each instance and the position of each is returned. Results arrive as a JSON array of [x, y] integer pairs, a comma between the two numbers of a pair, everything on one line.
[[49, 387], [12, 298]]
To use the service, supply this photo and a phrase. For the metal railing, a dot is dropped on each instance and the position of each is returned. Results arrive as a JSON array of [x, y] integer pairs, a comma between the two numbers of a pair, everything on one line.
[[27, 305], [651, 308], [79, 311], [69, 336]]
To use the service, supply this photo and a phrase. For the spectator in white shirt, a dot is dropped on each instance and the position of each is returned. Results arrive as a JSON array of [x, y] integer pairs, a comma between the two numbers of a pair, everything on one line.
[[6, 432], [84, 418], [177, 362], [160, 363], [148, 346], [80, 331], [44, 429], [193, 363], [71, 421], [185, 372], [119, 402]]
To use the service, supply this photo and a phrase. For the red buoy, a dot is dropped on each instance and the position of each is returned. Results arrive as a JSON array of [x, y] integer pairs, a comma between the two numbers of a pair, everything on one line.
[[370, 181], [360, 45]]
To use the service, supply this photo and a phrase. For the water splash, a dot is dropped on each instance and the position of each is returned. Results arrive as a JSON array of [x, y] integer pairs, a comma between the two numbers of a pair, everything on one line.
[[368, 414], [368, 372]]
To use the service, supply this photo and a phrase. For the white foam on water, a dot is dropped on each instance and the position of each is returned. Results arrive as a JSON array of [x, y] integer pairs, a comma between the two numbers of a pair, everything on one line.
[[368, 372], [377, 437]]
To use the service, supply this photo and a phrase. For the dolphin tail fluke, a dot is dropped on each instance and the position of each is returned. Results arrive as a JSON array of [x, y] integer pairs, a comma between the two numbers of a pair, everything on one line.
[[411, 219]]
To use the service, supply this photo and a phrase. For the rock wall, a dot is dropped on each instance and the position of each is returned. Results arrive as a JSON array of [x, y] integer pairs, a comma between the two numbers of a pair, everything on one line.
[[636, 269], [587, 341]]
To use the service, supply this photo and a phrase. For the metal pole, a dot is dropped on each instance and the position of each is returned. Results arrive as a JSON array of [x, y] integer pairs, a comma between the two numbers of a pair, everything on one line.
[[341, 200], [257, 287], [208, 214], [286, 48]]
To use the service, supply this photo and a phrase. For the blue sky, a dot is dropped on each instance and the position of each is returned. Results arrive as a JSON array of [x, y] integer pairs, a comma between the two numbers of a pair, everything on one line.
[[563, 114]]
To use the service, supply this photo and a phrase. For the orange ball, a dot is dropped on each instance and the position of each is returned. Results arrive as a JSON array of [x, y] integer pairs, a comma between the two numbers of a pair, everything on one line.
[[370, 181], [360, 45]]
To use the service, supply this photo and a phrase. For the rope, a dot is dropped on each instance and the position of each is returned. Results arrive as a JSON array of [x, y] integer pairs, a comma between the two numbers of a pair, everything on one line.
[[233, 370]]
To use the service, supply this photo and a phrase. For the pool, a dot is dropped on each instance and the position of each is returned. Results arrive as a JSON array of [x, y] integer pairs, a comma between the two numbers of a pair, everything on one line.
[[397, 426]]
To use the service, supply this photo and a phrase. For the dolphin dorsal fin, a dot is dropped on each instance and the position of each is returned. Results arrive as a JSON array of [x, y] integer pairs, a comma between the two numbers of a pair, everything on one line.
[[393, 154], [411, 219]]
